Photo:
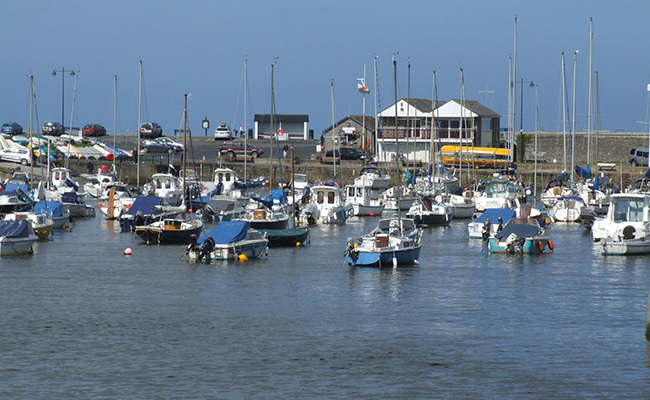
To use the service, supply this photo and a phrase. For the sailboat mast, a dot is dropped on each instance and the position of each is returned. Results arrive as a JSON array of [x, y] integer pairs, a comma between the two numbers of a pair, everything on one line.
[[573, 122], [136, 157], [408, 108], [591, 40], [184, 145], [333, 133], [564, 109], [31, 120], [74, 98], [376, 119], [399, 188], [433, 129], [245, 118], [536, 131], [363, 119], [271, 135], [514, 93], [462, 122], [114, 120]]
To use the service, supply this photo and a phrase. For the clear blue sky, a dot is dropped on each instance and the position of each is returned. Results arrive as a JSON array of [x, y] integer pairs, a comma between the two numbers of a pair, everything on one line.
[[199, 47]]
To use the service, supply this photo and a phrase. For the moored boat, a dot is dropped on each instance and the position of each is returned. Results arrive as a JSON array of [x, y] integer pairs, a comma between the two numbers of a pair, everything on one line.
[[289, 237], [627, 241], [521, 236], [230, 240], [16, 237]]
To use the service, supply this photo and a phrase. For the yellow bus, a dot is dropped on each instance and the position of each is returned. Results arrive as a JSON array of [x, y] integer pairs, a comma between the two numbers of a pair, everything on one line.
[[475, 156]]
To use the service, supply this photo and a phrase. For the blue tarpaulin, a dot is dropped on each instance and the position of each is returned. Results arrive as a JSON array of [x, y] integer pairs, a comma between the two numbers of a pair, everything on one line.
[[145, 205], [227, 232], [13, 187], [583, 172], [494, 213], [51, 208], [14, 229]]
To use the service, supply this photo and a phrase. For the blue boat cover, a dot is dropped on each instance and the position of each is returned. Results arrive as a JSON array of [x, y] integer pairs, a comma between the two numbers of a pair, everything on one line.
[[13, 187], [583, 172], [145, 205], [14, 229], [494, 213], [227, 232], [521, 230], [275, 194], [52, 208], [70, 198]]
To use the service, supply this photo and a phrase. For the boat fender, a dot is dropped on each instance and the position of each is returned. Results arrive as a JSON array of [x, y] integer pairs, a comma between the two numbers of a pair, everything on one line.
[[550, 244], [541, 246]]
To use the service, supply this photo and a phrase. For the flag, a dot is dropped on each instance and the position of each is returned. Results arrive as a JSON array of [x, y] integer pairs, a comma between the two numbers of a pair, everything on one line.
[[361, 84]]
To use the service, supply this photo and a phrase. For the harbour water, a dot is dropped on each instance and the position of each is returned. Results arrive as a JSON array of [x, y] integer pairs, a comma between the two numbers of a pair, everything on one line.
[[81, 320]]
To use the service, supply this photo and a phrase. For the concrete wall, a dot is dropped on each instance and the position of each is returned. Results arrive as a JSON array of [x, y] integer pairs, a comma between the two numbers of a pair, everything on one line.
[[607, 147]]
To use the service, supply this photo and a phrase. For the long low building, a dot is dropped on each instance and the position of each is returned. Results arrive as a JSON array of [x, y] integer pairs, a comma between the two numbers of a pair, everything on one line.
[[285, 127]]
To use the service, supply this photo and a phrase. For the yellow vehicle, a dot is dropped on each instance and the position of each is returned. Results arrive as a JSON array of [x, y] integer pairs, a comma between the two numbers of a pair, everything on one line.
[[475, 156]]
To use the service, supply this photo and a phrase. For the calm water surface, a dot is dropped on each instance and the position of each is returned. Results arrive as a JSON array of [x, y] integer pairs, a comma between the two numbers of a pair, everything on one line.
[[80, 319]]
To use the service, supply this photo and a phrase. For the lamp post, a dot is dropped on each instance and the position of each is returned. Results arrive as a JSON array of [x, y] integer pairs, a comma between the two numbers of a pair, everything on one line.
[[63, 71], [521, 120]]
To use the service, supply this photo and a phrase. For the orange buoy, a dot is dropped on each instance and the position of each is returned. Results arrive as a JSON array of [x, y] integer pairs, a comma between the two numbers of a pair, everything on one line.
[[372, 214], [551, 245], [128, 251]]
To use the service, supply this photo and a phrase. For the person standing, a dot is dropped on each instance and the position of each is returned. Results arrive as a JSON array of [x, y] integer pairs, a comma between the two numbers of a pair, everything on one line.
[[285, 150]]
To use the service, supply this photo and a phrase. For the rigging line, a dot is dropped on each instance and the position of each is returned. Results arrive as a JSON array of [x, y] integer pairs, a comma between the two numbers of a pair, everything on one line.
[[234, 117]]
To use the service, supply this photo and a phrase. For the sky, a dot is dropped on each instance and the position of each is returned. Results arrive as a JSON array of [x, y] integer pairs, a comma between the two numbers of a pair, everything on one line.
[[200, 48]]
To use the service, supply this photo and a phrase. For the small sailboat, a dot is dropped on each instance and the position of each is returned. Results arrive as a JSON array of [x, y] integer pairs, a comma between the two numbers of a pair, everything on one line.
[[567, 209], [426, 211]]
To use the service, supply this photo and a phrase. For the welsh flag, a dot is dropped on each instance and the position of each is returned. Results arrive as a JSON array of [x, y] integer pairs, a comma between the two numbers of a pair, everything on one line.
[[361, 84]]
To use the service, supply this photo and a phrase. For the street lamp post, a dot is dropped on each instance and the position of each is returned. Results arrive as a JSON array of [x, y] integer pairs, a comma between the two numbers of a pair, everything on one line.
[[63, 71], [521, 120]]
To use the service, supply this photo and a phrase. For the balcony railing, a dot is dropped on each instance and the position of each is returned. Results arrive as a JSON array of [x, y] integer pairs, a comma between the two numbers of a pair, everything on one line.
[[425, 133]]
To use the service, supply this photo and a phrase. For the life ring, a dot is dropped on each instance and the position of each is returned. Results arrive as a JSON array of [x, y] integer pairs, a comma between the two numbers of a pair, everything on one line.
[[280, 132], [557, 191]]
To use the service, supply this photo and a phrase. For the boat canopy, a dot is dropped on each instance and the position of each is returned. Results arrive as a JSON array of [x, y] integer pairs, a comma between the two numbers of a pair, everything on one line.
[[494, 213], [14, 229], [14, 187], [52, 208], [369, 170], [521, 230], [145, 205], [275, 197], [227, 232]]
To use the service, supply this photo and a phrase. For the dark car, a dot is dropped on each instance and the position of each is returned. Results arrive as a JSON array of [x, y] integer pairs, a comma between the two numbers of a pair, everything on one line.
[[12, 128], [232, 148], [353, 153], [94, 130], [53, 129], [150, 130], [149, 146]]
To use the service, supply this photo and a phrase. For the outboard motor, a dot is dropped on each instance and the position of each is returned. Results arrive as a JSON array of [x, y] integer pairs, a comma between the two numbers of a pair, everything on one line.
[[485, 231], [206, 248], [192, 245], [500, 227], [219, 187]]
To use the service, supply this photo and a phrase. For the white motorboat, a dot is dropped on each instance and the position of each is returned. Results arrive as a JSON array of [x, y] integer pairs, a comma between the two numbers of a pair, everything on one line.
[[406, 198], [363, 199], [41, 224], [426, 211], [567, 209], [489, 223], [627, 241], [230, 240], [324, 206], [494, 193], [56, 211], [461, 206], [371, 176], [625, 209], [16, 237], [167, 186]]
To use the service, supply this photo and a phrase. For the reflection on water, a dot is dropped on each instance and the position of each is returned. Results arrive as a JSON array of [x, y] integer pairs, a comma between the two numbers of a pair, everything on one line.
[[80, 318]]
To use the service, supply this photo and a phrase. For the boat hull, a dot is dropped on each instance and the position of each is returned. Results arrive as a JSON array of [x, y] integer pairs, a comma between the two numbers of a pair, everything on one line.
[[286, 237], [232, 251], [158, 234], [383, 259], [626, 247], [367, 210], [530, 246], [16, 246]]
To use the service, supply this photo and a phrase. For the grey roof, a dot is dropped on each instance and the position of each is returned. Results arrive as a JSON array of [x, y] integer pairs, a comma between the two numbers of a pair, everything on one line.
[[479, 109], [370, 122], [422, 105], [263, 118]]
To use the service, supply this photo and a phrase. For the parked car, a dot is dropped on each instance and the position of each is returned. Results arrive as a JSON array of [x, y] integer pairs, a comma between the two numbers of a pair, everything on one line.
[[53, 129], [638, 156], [235, 147], [94, 130], [353, 153], [167, 141], [150, 130], [16, 154], [149, 146], [223, 131], [12, 128]]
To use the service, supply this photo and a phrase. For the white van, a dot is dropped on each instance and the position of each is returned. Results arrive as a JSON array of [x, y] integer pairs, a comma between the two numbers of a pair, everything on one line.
[[638, 156]]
